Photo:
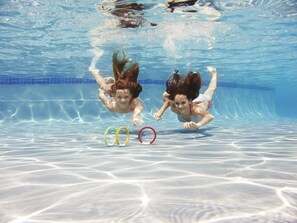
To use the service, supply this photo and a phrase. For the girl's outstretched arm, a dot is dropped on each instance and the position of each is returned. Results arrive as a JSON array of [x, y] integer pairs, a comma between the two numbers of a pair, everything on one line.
[[158, 115], [106, 101], [99, 79], [212, 84], [206, 118], [137, 120]]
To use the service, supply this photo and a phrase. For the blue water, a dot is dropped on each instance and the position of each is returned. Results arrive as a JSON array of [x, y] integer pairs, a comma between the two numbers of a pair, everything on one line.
[[54, 164]]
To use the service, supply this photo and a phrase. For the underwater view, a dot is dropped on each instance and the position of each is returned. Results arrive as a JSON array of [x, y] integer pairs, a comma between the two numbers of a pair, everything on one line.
[[73, 148]]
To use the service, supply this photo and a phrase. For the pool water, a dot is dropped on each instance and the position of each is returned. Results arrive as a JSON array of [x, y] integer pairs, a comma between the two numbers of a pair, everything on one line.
[[226, 172], [55, 166]]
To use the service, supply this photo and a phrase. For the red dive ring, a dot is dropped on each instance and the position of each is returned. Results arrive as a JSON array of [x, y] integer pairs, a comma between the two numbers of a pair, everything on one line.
[[147, 127]]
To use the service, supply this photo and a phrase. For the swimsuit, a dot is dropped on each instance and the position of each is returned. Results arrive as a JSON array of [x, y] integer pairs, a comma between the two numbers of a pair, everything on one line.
[[196, 118], [202, 99]]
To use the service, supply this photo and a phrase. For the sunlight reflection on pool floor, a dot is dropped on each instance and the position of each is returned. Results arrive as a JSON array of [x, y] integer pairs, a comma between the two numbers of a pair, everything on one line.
[[223, 173]]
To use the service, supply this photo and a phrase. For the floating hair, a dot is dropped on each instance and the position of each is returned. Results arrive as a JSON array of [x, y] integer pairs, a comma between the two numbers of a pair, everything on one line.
[[188, 85]]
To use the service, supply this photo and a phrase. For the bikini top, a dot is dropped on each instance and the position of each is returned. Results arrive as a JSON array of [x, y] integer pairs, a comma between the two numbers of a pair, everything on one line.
[[196, 118]]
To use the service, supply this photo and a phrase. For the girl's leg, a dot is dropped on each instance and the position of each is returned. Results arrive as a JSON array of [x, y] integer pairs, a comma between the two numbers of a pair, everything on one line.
[[102, 82], [212, 85], [95, 72], [97, 77]]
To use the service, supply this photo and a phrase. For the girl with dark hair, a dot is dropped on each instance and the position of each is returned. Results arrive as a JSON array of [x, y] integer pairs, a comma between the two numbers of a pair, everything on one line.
[[183, 96], [120, 92]]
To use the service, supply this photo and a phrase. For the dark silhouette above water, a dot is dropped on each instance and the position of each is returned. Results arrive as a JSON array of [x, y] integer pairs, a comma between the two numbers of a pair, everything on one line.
[[129, 15]]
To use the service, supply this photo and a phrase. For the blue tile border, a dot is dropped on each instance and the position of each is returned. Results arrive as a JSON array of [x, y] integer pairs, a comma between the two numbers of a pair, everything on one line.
[[56, 80], [44, 81]]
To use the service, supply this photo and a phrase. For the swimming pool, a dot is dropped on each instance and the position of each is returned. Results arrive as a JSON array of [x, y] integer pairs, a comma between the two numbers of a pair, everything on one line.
[[55, 166]]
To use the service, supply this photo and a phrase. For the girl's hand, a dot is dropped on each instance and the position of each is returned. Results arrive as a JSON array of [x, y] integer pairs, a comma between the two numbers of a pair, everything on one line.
[[157, 116], [137, 121], [191, 125]]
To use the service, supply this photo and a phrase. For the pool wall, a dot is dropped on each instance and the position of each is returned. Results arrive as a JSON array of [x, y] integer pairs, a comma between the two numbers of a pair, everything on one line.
[[79, 102], [286, 101]]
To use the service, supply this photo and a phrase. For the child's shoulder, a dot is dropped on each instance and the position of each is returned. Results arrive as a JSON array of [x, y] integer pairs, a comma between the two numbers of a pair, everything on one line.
[[198, 109], [135, 103]]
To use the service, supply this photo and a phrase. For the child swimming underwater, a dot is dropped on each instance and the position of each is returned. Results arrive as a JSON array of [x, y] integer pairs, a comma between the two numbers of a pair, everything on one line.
[[120, 93], [183, 97]]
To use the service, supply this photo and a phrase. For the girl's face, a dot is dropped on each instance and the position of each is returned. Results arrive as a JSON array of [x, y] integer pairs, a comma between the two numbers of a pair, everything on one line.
[[181, 102], [123, 98]]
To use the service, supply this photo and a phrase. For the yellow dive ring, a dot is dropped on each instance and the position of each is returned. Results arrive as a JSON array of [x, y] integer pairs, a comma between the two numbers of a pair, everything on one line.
[[127, 136], [105, 135]]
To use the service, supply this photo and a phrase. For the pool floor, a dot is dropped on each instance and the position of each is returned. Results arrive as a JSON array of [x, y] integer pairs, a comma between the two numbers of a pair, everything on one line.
[[227, 172]]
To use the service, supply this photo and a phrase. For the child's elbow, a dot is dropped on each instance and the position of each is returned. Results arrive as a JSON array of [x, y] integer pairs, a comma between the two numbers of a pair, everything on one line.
[[165, 96]]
